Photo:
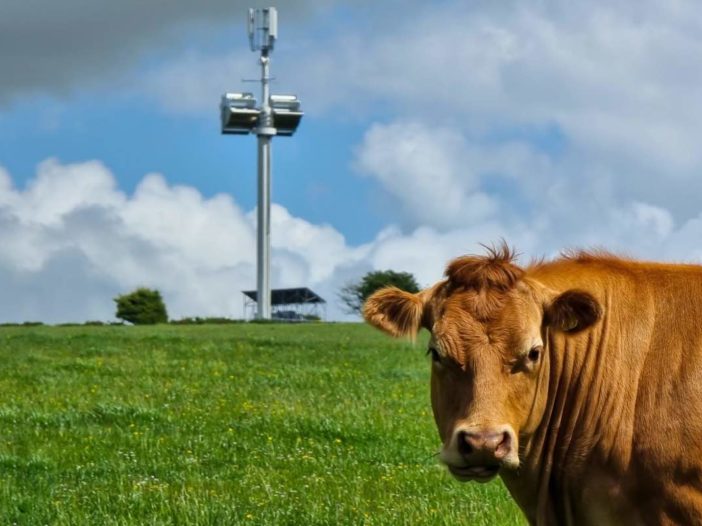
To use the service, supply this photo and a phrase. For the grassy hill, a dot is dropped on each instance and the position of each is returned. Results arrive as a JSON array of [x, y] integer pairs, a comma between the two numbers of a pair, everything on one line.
[[231, 424]]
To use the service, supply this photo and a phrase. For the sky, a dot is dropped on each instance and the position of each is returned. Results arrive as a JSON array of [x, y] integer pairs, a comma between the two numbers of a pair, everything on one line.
[[429, 128]]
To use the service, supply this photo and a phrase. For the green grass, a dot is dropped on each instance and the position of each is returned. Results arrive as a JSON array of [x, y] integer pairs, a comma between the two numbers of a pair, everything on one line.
[[235, 424]]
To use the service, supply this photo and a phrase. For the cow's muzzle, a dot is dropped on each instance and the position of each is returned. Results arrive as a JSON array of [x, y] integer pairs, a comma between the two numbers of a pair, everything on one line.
[[479, 453]]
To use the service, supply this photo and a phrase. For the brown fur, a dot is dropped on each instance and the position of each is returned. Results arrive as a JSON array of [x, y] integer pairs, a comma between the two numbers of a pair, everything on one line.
[[485, 280], [395, 311], [497, 270], [610, 420]]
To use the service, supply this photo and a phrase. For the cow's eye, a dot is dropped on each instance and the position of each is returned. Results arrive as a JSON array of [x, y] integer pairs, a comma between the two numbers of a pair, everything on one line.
[[535, 354], [435, 357]]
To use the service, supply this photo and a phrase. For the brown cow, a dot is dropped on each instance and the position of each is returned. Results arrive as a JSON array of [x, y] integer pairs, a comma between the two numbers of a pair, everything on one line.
[[578, 380]]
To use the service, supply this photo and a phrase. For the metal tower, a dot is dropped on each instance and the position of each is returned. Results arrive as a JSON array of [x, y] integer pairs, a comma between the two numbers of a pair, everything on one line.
[[277, 115]]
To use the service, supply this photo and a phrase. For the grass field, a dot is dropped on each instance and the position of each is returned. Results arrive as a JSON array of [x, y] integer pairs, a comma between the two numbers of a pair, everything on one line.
[[232, 424]]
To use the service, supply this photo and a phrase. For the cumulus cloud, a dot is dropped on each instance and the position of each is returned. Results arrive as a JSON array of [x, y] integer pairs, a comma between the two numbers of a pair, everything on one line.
[[72, 241], [435, 173], [604, 89], [442, 178], [423, 169]]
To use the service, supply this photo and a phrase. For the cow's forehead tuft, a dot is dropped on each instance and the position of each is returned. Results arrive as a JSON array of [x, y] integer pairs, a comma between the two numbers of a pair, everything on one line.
[[494, 271]]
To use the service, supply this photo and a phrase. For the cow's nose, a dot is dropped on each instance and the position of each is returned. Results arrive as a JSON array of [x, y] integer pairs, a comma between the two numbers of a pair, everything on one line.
[[485, 445]]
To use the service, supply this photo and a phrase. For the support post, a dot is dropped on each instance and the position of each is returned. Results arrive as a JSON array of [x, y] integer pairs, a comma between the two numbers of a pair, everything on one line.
[[265, 132], [263, 297]]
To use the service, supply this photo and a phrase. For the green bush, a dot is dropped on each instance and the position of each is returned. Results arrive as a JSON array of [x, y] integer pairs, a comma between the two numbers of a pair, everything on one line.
[[354, 295], [142, 307]]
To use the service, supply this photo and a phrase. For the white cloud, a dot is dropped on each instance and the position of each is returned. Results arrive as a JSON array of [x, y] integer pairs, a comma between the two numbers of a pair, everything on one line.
[[423, 169], [613, 80], [442, 178], [71, 225], [65, 261], [436, 171], [320, 247]]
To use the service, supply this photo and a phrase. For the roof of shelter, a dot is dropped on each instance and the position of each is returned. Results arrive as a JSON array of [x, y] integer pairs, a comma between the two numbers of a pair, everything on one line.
[[289, 296]]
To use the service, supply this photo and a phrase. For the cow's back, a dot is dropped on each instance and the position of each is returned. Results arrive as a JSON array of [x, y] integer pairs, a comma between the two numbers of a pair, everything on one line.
[[637, 385]]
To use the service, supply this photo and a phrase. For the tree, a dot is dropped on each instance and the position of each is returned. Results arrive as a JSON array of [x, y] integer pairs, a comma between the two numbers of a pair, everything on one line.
[[354, 295], [141, 307]]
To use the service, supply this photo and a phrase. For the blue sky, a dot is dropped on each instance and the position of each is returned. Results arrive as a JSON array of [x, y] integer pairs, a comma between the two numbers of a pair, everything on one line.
[[314, 174], [430, 127]]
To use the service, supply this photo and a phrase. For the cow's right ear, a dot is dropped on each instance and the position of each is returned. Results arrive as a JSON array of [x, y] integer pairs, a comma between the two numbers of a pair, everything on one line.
[[395, 311]]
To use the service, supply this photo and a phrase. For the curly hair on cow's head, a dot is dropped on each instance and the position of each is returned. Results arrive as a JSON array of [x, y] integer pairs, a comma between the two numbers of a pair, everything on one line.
[[480, 285], [495, 270]]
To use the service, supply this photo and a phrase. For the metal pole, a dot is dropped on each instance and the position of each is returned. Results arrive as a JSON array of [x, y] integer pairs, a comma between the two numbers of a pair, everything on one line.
[[265, 132], [264, 227]]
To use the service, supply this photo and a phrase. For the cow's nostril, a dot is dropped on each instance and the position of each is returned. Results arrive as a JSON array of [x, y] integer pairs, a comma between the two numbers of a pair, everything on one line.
[[464, 443], [504, 446]]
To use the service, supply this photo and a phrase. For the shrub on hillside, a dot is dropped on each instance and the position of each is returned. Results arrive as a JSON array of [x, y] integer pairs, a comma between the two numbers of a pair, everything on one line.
[[141, 307], [354, 295]]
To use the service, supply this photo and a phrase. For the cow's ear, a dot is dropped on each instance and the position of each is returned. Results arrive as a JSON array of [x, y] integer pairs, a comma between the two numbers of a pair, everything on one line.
[[395, 311], [573, 311]]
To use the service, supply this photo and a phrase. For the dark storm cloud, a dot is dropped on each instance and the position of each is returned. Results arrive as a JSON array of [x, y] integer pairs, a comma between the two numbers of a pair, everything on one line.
[[53, 46]]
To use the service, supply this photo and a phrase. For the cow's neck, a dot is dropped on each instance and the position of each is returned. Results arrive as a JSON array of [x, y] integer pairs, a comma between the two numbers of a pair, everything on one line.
[[586, 415]]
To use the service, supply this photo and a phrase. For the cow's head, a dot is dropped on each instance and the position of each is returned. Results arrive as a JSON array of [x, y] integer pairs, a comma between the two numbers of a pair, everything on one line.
[[488, 347]]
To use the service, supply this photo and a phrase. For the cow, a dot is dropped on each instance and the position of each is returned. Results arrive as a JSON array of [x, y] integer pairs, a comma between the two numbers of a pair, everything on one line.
[[577, 380]]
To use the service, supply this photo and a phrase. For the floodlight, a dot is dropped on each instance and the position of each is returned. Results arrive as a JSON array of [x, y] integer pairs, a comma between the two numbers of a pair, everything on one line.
[[286, 114], [240, 100], [285, 102], [263, 28], [239, 113]]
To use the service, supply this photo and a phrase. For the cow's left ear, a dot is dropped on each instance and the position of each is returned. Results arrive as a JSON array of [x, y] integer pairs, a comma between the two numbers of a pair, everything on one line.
[[395, 311], [572, 311]]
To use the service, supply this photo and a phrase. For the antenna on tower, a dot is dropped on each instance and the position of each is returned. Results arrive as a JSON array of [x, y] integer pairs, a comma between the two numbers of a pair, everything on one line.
[[263, 29]]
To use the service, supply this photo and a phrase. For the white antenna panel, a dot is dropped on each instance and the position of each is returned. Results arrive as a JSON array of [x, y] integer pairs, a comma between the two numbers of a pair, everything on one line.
[[251, 26], [272, 23], [263, 28]]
